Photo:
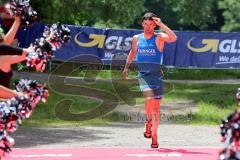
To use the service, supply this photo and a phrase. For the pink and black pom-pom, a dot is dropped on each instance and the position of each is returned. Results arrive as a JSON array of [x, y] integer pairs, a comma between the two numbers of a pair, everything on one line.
[[14, 110], [23, 9], [230, 132], [53, 38]]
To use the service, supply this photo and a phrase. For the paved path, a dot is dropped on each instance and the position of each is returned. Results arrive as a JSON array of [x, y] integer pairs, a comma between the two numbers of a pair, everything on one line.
[[117, 135], [118, 141]]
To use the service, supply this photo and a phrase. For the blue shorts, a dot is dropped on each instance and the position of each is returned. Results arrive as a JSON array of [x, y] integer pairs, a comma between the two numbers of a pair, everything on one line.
[[152, 81]]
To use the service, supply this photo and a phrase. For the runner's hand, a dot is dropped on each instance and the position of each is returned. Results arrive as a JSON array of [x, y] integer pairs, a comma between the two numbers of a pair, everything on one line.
[[157, 20], [125, 73]]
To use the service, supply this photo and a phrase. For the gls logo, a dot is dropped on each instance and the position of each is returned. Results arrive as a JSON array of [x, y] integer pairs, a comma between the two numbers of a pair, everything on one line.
[[110, 43], [215, 45]]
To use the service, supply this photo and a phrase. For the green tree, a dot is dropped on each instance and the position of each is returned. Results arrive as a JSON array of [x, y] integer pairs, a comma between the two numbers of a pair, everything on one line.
[[184, 14], [231, 14], [2, 2], [178, 15], [89, 12], [194, 12]]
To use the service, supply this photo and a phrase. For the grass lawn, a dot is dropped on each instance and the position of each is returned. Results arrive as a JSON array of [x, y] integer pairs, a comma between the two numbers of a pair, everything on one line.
[[214, 101], [203, 74], [189, 74]]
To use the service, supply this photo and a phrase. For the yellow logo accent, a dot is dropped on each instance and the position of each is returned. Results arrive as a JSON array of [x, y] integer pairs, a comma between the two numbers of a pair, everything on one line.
[[210, 44], [96, 40]]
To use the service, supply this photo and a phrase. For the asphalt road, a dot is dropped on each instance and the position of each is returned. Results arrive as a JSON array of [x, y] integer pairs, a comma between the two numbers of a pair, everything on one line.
[[117, 135]]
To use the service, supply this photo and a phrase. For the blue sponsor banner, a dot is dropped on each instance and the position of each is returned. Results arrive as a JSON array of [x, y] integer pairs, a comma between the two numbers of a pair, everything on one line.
[[192, 49], [208, 49]]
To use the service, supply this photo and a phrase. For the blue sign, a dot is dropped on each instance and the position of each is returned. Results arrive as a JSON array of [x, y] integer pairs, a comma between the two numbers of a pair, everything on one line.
[[192, 49]]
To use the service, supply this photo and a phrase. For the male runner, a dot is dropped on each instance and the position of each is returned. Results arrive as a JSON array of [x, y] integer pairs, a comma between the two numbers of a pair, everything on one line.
[[148, 50]]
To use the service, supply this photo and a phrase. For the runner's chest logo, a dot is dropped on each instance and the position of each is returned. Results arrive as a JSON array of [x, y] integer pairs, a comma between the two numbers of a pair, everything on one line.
[[146, 52]]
